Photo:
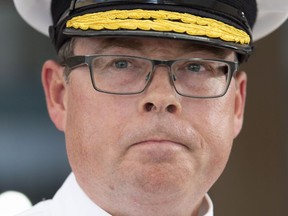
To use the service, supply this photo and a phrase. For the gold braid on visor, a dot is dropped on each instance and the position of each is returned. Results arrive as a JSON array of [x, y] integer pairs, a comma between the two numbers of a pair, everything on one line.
[[161, 21]]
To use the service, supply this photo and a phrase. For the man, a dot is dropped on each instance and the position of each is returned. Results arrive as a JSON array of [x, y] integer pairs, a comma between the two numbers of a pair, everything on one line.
[[149, 96]]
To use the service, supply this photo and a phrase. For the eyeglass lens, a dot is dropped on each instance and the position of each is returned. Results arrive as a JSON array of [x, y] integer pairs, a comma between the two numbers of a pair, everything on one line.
[[127, 75]]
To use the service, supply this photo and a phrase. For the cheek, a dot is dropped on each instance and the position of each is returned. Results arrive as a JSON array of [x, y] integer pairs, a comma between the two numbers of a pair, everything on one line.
[[94, 123], [213, 118], [214, 123]]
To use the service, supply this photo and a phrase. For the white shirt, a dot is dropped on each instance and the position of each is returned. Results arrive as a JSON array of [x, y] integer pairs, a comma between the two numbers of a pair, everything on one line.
[[70, 200]]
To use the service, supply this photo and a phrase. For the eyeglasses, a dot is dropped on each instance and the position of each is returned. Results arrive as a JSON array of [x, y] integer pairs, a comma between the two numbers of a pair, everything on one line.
[[126, 75]]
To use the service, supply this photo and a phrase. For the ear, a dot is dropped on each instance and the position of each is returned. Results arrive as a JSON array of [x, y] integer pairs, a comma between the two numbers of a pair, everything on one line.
[[54, 85], [240, 99]]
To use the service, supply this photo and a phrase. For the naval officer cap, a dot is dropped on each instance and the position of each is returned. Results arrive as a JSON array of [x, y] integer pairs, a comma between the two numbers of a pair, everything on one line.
[[230, 24]]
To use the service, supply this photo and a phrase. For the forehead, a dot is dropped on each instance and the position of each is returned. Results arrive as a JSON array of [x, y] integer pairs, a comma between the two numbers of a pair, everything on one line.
[[98, 45]]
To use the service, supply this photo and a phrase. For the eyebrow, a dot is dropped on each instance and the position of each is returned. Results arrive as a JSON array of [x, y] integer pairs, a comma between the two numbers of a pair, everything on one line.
[[135, 44], [215, 51], [128, 43]]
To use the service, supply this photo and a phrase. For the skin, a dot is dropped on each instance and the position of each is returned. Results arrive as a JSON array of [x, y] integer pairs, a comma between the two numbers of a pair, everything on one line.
[[155, 153]]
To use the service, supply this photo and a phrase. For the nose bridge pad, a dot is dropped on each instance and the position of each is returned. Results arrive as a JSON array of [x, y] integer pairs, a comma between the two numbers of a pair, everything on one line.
[[173, 77], [150, 75]]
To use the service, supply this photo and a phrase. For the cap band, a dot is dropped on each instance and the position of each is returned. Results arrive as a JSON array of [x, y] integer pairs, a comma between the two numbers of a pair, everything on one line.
[[160, 21]]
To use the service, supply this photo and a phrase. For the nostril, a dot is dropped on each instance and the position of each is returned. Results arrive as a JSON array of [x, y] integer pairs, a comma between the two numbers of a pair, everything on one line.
[[171, 108], [149, 106]]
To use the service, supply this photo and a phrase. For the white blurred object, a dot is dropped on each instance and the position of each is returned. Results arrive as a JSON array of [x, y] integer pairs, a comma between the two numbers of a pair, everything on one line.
[[13, 202]]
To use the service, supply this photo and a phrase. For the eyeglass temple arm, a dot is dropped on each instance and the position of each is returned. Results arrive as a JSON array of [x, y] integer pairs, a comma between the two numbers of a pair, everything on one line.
[[75, 61]]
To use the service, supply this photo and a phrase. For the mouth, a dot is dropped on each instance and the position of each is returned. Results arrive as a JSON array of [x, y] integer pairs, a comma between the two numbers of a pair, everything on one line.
[[159, 145], [158, 150], [162, 135]]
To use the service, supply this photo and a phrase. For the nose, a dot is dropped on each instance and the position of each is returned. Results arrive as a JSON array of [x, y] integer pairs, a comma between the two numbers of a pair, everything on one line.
[[160, 95]]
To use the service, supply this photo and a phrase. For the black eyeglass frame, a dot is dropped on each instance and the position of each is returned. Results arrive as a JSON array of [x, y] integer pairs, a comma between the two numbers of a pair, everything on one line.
[[74, 62]]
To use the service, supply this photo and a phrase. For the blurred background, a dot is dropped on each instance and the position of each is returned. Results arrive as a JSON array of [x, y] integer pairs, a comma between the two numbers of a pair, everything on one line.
[[32, 152]]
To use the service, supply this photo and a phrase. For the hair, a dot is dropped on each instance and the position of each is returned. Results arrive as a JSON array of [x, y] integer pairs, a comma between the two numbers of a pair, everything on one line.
[[65, 51]]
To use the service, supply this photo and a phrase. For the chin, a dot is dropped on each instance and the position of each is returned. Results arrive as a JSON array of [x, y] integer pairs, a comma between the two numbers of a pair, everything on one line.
[[161, 178]]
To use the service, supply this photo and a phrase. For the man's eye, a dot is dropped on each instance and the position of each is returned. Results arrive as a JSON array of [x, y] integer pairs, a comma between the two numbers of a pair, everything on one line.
[[194, 67], [121, 64]]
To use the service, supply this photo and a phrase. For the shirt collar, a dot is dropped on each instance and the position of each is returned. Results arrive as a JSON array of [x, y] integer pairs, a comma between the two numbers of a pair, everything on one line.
[[71, 200], [206, 208]]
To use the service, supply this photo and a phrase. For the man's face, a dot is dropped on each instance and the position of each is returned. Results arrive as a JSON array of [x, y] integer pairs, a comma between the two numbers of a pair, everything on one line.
[[155, 147]]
